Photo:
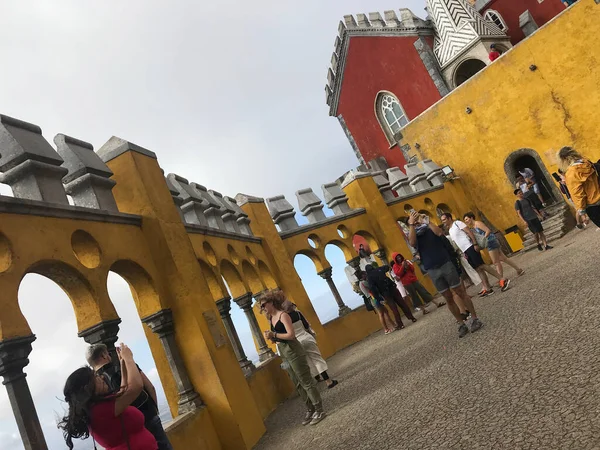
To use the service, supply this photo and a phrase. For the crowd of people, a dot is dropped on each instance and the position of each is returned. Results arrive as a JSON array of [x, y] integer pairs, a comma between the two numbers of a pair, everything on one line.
[[116, 404]]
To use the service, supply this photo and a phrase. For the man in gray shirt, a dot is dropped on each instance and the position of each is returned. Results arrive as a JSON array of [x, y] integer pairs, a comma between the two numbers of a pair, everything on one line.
[[532, 217]]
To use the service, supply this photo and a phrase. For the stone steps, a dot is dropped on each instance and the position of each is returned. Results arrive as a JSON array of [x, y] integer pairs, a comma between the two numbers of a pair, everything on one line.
[[556, 226]]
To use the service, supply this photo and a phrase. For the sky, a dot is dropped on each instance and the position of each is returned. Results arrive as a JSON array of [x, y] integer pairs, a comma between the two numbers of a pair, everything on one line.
[[229, 94]]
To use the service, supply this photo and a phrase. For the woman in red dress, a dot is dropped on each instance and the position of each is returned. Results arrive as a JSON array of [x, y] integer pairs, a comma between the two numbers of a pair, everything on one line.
[[109, 418]]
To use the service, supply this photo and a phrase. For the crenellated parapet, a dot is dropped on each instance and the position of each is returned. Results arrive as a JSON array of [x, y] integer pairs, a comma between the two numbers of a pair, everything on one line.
[[406, 23], [282, 213]]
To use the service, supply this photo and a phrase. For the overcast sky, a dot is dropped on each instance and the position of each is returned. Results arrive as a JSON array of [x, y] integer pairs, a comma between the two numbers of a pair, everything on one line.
[[229, 94]]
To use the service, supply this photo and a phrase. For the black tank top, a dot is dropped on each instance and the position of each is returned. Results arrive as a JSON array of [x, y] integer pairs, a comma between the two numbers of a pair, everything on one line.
[[279, 328]]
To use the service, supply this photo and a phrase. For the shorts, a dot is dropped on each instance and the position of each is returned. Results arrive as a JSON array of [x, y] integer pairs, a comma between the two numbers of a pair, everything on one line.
[[493, 243], [445, 277], [536, 188], [376, 302], [474, 257], [535, 226]]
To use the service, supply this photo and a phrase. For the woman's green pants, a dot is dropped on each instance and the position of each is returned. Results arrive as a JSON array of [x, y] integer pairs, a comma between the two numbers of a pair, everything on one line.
[[293, 353]]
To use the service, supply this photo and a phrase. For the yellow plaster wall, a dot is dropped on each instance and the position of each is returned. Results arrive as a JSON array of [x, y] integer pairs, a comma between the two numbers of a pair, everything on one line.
[[195, 431], [270, 386], [513, 108]]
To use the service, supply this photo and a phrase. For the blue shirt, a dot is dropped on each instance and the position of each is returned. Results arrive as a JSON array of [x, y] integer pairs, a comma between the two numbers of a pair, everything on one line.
[[432, 249]]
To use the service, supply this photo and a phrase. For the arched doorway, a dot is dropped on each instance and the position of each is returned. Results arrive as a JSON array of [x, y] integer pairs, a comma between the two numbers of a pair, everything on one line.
[[528, 158], [466, 70]]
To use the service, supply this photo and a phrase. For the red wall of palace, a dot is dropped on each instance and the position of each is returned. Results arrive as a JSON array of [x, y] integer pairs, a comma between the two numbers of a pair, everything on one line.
[[375, 64], [510, 10]]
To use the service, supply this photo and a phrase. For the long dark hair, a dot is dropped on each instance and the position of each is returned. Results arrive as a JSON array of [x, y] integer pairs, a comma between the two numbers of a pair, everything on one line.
[[80, 394]]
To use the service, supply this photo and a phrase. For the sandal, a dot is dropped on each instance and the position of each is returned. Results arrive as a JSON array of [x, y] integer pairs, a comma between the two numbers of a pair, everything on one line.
[[413, 320], [388, 331], [440, 304], [400, 327], [425, 311]]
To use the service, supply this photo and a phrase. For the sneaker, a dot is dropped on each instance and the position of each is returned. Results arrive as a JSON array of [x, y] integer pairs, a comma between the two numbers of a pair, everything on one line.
[[540, 248], [463, 330], [580, 226], [333, 384], [308, 417], [520, 272], [504, 284], [317, 417], [487, 293], [417, 309], [481, 292], [476, 324], [549, 247]]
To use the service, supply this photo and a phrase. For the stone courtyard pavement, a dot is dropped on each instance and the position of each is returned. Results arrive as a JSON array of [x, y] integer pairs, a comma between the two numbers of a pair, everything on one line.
[[530, 379]]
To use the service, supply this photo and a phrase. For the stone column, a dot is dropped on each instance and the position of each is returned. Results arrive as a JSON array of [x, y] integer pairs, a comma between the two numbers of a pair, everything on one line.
[[354, 263], [162, 324], [13, 359], [342, 307], [224, 306], [382, 255], [104, 333], [245, 302]]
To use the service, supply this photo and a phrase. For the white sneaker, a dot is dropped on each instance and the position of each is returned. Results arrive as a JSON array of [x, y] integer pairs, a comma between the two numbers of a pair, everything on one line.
[[317, 417]]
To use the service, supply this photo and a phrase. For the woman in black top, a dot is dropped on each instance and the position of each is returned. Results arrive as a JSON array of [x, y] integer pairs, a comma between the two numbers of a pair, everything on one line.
[[282, 332]]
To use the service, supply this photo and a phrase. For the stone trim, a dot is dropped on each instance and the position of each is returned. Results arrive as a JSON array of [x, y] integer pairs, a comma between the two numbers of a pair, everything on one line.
[[379, 32], [12, 205], [350, 138], [116, 146], [242, 199], [327, 221], [416, 194], [208, 231]]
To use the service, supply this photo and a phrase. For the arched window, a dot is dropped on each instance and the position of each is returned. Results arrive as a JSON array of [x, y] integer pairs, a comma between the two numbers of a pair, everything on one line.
[[494, 16], [391, 115]]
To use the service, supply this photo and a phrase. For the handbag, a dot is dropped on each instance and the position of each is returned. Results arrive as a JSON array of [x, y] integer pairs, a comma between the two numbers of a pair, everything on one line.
[[481, 240]]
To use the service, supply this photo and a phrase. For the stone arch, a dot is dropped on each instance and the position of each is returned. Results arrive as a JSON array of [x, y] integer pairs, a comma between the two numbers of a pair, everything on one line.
[[90, 305], [467, 69], [346, 250], [215, 284], [443, 208], [314, 258], [367, 237], [266, 276], [232, 277], [526, 156], [252, 278], [142, 287]]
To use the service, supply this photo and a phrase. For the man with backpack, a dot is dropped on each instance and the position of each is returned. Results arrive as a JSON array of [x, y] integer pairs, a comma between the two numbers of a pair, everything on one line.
[[533, 218], [99, 359], [382, 286]]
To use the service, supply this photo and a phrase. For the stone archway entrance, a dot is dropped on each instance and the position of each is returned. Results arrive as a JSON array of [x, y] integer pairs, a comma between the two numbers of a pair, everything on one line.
[[528, 158], [466, 70]]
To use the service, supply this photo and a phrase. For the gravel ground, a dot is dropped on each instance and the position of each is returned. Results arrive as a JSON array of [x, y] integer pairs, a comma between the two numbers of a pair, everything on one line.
[[529, 379]]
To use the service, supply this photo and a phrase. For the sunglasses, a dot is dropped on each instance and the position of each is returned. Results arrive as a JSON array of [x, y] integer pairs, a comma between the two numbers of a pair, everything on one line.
[[262, 306]]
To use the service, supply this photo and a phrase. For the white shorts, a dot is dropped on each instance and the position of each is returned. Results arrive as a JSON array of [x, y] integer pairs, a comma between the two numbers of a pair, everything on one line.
[[401, 288], [536, 188]]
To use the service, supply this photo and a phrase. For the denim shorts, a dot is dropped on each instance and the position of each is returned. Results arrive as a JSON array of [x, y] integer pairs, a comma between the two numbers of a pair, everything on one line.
[[493, 243], [445, 277]]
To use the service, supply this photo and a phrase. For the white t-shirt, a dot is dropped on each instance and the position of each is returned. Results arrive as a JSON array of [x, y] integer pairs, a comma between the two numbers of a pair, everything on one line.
[[459, 236]]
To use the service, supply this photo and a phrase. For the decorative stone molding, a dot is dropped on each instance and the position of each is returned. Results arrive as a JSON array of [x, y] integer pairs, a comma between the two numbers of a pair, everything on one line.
[[527, 23], [417, 178], [399, 182], [213, 210], [282, 213], [161, 323], [245, 302], [116, 146], [241, 217], [326, 274], [106, 333], [88, 180], [433, 172], [229, 214], [383, 185], [354, 263], [336, 199], [224, 306], [310, 205], [193, 205], [14, 355], [30, 166]]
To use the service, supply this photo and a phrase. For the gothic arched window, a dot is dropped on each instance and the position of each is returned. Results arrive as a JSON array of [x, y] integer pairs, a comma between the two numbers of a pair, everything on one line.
[[391, 115], [494, 16]]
